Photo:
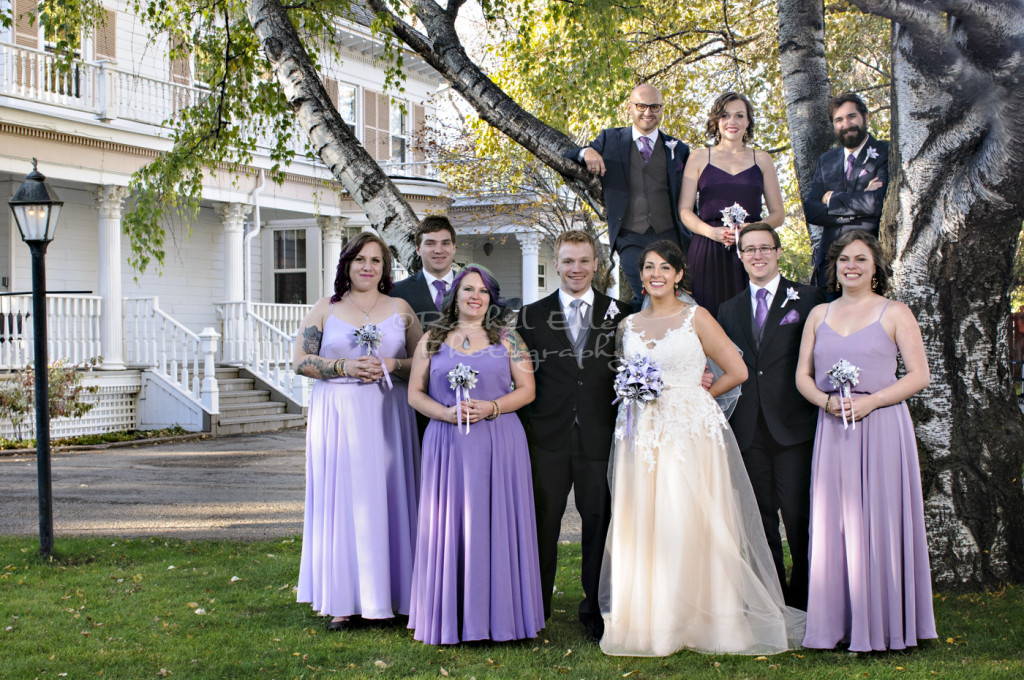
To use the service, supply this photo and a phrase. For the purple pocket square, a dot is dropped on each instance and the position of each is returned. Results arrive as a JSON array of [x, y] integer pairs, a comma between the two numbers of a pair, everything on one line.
[[863, 173], [791, 317]]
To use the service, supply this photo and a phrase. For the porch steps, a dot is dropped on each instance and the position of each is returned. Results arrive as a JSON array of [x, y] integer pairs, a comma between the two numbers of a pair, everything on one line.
[[244, 409]]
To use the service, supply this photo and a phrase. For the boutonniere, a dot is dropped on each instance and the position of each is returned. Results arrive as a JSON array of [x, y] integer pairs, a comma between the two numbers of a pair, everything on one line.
[[613, 311], [791, 294], [671, 144], [871, 152]]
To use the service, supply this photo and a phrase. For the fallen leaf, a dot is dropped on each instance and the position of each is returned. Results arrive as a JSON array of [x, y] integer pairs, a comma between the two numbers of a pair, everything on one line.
[[170, 567], [761, 658], [444, 672], [626, 675], [200, 611], [235, 578], [164, 673], [86, 633], [568, 652], [379, 663], [192, 605]]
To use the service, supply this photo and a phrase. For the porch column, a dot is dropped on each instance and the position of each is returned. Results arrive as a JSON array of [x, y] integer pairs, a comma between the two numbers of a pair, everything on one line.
[[529, 243], [332, 228], [233, 216], [109, 200]]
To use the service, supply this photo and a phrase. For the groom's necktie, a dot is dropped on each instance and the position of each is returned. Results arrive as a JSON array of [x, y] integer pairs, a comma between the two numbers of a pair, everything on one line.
[[850, 160], [761, 311], [646, 149], [442, 288]]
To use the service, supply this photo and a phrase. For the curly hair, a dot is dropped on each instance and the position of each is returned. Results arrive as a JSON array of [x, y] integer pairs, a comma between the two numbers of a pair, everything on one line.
[[342, 281], [495, 320], [718, 111], [879, 280], [672, 254]]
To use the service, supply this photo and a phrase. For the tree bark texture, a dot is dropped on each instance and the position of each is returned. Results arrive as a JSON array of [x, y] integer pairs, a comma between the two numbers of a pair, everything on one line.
[[957, 162], [442, 49], [331, 138], [805, 86]]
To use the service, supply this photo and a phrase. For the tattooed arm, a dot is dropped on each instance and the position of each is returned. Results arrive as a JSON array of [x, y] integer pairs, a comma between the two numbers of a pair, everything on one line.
[[522, 373], [305, 357]]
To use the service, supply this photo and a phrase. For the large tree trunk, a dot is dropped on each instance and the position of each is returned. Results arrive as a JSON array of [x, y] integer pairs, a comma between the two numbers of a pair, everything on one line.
[[337, 147], [958, 90], [806, 89]]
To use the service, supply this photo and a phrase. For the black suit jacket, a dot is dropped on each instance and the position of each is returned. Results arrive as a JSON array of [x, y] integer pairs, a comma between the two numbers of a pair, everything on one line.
[[415, 291], [615, 146], [851, 206], [566, 392], [771, 383]]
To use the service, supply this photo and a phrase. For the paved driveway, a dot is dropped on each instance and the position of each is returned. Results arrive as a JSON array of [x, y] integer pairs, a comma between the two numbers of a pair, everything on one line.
[[243, 487]]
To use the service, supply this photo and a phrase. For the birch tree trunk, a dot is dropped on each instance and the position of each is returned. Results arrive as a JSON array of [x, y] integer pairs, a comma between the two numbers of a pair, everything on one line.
[[955, 193], [331, 138], [805, 86]]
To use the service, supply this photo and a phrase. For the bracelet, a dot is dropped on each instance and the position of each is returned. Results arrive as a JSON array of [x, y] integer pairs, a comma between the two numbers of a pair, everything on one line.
[[827, 402], [398, 364], [495, 411], [340, 372]]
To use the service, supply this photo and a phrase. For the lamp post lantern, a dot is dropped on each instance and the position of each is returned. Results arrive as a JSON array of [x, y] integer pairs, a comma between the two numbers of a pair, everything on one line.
[[36, 209]]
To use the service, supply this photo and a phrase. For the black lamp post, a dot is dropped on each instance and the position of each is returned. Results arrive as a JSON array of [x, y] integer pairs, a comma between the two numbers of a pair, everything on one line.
[[36, 209]]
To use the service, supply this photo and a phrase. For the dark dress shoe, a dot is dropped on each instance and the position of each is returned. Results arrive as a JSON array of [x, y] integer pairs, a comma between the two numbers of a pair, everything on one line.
[[594, 625], [337, 625]]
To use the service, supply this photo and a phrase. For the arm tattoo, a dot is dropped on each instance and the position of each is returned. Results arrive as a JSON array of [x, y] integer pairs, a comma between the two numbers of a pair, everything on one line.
[[311, 337], [317, 367], [519, 350]]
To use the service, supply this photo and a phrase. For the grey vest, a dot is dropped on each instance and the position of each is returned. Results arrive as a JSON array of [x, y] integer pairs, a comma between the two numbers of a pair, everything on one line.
[[650, 202]]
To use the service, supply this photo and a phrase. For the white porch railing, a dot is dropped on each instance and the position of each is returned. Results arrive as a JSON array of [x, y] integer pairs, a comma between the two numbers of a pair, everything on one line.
[[263, 348], [184, 359], [285, 317], [72, 329]]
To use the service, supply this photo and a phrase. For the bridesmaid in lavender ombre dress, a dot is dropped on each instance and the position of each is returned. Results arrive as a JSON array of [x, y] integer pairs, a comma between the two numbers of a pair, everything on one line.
[[477, 572], [361, 445], [730, 172], [870, 583]]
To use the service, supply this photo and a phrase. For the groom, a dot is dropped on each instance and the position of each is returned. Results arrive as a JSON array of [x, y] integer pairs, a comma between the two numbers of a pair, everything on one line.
[[773, 423], [571, 335]]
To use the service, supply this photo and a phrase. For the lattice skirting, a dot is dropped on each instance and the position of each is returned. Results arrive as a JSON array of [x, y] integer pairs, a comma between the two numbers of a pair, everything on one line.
[[116, 401]]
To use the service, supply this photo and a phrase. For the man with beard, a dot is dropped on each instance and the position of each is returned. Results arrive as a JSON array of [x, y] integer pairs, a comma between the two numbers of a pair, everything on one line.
[[850, 181]]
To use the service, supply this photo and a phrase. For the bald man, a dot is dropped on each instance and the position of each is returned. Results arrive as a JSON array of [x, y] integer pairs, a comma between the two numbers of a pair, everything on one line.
[[641, 170]]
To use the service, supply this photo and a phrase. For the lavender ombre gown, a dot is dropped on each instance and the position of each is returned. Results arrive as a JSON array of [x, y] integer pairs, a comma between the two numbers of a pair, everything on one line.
[[717, 273], [477, 573], [870, 584], [361, 459]]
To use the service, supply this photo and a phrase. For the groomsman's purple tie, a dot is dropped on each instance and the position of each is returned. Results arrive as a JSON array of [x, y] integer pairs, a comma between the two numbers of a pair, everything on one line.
[[646, 149], [850, 159], [761, 311], [442, 288]]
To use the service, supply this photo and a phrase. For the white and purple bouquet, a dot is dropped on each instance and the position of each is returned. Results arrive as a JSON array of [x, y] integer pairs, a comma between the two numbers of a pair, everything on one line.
[[844, 376], [462, 379], [370, 337], [732, 218], [638, 383]]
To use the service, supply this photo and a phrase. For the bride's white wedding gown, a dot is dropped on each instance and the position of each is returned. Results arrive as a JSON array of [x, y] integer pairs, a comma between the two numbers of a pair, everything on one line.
[[686, 564]]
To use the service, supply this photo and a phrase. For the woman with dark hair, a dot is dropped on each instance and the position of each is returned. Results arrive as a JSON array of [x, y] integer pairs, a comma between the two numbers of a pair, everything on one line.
[[687, 565], [361, 443], [870, 583], [477, 573], [729, 173]]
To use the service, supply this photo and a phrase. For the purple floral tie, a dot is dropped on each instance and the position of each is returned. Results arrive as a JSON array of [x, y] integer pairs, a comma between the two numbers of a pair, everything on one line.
[[646, 149], [850, 159], [761, 311], [442, 288]]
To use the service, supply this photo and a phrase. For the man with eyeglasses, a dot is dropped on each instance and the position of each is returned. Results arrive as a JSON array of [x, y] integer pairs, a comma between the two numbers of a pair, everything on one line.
[[641, 171], [773, 423]]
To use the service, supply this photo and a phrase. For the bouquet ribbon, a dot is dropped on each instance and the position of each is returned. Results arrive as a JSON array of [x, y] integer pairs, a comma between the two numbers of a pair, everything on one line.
[[461, 394]]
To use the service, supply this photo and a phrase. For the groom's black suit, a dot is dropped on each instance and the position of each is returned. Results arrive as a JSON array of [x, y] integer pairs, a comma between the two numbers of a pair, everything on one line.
[[774, 425], [569, 426]]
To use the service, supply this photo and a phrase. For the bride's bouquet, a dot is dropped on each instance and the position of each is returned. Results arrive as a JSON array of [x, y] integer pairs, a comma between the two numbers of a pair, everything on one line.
[[732, 217], [638, 383], [844, 376]]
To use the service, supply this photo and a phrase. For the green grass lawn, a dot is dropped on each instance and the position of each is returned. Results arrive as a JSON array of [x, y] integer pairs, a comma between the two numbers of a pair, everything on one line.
[[149, 608]]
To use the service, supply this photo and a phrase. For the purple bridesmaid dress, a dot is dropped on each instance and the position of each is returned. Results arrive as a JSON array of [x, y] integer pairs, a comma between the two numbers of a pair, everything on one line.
[[870, 583], [477, 572], [718, 273]]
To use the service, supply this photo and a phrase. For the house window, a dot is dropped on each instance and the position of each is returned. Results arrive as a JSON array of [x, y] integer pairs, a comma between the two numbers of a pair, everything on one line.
[[290, 266], [399, 132], [542, 276], [347, 105]]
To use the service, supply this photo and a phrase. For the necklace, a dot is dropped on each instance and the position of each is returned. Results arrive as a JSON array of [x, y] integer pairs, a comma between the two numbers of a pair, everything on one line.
[[465, 338], [366, 314]]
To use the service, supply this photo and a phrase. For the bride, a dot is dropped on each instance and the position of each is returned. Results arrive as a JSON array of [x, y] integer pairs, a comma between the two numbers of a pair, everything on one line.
[[686, 562]]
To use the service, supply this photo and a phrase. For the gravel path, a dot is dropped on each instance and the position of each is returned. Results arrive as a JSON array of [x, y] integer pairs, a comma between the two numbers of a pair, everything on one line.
[[243, 487]]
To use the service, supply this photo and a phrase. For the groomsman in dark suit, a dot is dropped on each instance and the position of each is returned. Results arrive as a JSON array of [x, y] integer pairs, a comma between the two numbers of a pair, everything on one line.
[[424, 291], [641, 170], [571, 336], [774, 425], [850, 181]]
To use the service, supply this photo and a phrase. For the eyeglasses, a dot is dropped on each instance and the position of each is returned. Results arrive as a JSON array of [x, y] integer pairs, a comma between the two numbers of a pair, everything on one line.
[[764, 250], [641, 107]]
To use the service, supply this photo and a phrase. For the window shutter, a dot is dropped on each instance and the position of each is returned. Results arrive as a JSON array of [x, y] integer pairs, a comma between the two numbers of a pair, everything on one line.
[[376, 123], [383, 128], [26, 34], [181, 69], [419, 126], [105, 37]]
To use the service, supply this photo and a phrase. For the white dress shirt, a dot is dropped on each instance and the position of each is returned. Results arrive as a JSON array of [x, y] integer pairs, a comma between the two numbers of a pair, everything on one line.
[[565, 299]]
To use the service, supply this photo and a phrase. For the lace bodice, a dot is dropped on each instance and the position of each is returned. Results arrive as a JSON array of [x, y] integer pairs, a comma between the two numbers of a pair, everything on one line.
[[685, 410]]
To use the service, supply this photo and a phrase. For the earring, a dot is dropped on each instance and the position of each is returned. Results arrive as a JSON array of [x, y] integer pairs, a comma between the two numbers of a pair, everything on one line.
[[643, 291], [837, 286], [874, 282]]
